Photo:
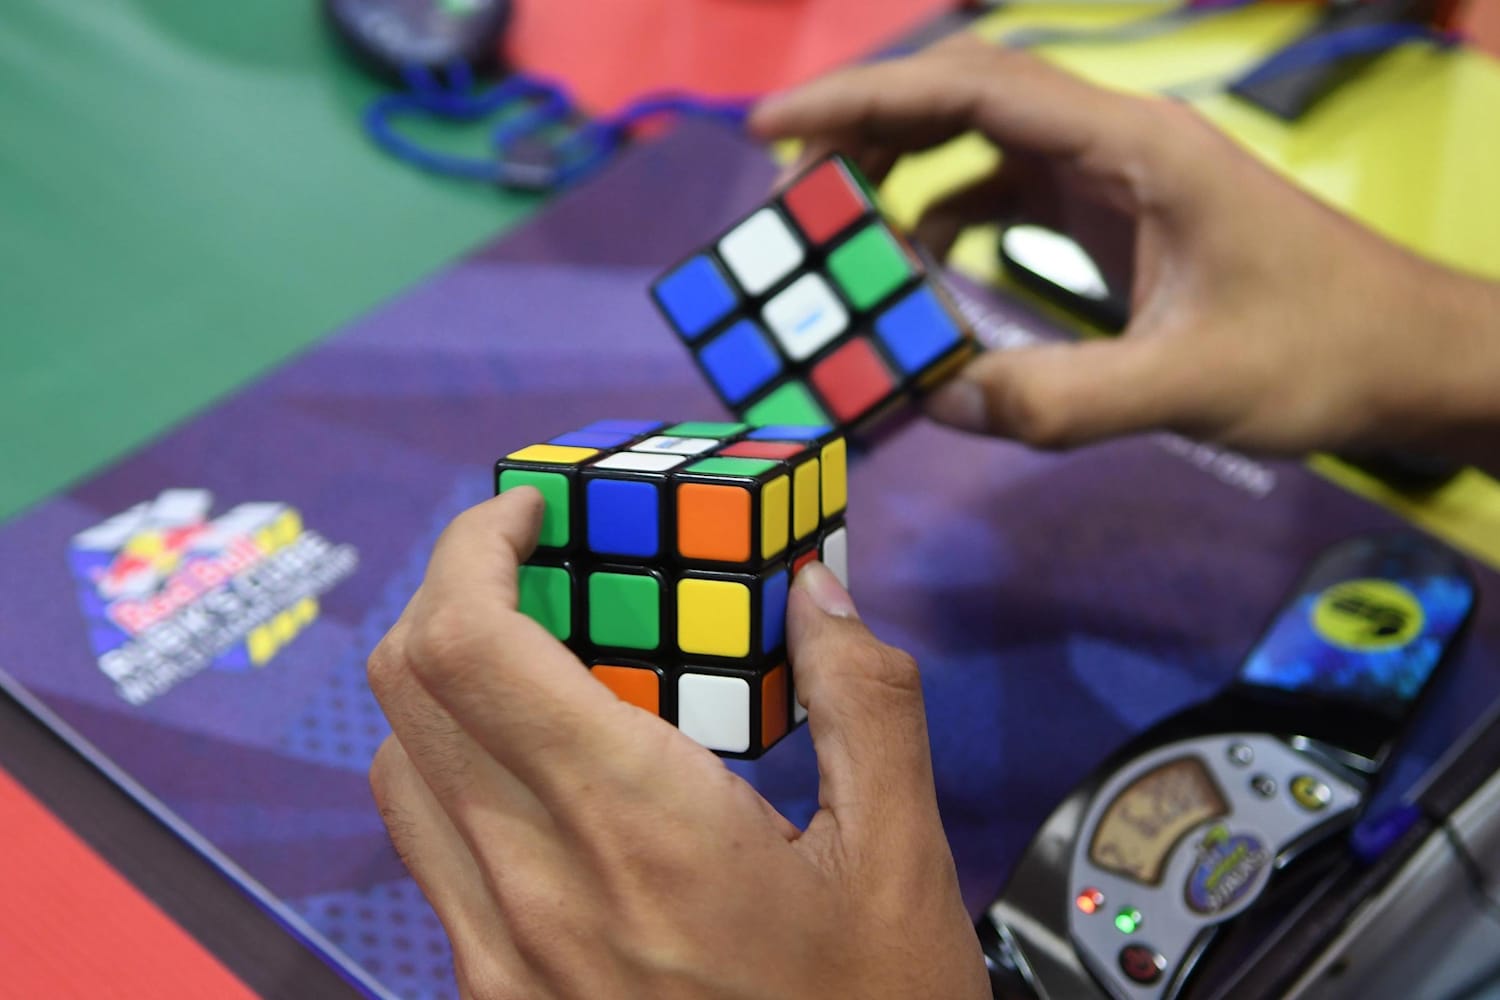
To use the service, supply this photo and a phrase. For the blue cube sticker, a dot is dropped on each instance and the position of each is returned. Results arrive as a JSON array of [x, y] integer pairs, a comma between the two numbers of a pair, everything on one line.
[[773, 618], [740, 360], [622, 518], [788, 432], [632, 428], [917, 331], [591, 439], [695, 296]]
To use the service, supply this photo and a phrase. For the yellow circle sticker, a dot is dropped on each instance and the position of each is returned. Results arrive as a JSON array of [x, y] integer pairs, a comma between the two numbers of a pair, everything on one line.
[[1368, 615]]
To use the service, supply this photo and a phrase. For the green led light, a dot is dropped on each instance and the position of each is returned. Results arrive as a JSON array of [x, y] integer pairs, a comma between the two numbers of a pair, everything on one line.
[[1127, 920]]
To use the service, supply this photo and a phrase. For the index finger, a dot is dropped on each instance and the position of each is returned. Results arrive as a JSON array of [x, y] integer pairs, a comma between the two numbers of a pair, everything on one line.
[[510, 684], [950, 88]]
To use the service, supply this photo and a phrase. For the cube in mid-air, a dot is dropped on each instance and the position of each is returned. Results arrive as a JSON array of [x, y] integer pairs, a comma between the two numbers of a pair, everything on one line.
[[814, 310], [665, 558]]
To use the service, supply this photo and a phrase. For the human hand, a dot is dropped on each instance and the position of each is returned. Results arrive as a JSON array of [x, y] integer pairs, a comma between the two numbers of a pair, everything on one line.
[[576, 846], [1260, 317]]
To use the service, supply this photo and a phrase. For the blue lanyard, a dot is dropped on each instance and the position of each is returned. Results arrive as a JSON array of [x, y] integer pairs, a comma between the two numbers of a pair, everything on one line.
[[1365, 39], [529, 154]]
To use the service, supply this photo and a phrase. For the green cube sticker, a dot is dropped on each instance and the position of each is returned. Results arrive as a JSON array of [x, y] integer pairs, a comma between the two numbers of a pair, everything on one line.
[[624, 610], [546, 594], [791, 404], [704, 429], [748, 467], [869, 266], [554, 488], [852, 168]]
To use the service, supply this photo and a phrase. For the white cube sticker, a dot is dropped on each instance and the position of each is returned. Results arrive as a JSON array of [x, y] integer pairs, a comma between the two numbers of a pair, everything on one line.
[[627, 461], [836, 555], [761, 251], [806, 317], [665, 445], [715, 711]]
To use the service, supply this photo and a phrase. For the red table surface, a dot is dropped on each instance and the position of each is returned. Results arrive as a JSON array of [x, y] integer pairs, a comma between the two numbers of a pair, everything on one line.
[[610, 51], [72, 927]]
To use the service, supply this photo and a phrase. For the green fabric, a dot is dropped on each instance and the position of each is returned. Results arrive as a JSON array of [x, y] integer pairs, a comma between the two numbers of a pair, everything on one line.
[[624, 610], [791, 404], [188, 199], [546, 594]]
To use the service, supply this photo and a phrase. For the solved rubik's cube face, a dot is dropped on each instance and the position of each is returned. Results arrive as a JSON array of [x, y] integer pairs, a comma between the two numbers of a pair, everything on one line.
[[813, 310], [665, 559]]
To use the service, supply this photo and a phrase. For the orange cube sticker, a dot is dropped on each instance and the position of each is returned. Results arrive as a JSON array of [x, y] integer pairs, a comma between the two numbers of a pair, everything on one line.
[[713, 522]]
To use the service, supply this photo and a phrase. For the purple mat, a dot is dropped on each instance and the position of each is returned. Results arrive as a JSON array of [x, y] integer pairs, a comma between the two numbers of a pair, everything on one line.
[[1058, 604]]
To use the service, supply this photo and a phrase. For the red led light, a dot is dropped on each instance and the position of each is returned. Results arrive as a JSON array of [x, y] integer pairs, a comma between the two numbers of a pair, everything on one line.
[[1089, 900]]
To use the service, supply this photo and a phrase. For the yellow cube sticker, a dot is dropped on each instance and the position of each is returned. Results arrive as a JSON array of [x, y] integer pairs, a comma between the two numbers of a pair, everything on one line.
[[775, 516], [805, 499], [835, 477], [713, 617], [553, 454]]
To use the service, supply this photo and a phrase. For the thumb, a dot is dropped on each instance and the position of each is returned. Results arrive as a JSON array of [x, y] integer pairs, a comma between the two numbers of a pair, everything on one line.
[[1062, 395], [864, 707]]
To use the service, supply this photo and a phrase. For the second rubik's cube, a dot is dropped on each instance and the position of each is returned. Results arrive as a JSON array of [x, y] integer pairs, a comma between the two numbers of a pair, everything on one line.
[[813, 310], [665, 558]]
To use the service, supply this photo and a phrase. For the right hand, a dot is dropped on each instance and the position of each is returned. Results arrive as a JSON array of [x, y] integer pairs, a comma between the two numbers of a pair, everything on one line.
[[577, 847], [1261, 318]]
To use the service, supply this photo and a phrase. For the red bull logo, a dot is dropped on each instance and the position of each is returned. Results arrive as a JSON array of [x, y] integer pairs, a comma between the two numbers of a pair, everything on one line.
[[170, 591]]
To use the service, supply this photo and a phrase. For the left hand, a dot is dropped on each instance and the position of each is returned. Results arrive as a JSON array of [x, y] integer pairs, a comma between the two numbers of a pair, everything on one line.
[[1261, 318], [575, 846]]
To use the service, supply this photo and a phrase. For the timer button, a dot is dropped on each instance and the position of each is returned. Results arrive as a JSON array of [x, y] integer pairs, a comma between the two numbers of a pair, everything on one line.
[[1241, 754], [1263, 785], [1310, 793], [1141, 963]]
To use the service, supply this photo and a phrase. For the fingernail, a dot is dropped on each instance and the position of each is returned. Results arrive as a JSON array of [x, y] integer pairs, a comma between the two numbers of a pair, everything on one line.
[[826, 591], [959, 403]]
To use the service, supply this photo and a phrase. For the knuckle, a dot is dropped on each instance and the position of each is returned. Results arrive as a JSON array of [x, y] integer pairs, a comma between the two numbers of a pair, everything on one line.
[[869, 664], [540, 922], [481, 975], [895, 670], [384, 668], [383, 774], [387, 784], [442, 645], [1034, 418]]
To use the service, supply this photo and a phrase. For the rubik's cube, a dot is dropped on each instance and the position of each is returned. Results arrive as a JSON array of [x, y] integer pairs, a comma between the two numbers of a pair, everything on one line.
[[813, 310], [665, 558]]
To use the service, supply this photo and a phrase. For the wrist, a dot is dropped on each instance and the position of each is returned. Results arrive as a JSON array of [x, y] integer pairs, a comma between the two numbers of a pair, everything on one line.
[[1441, 391]]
